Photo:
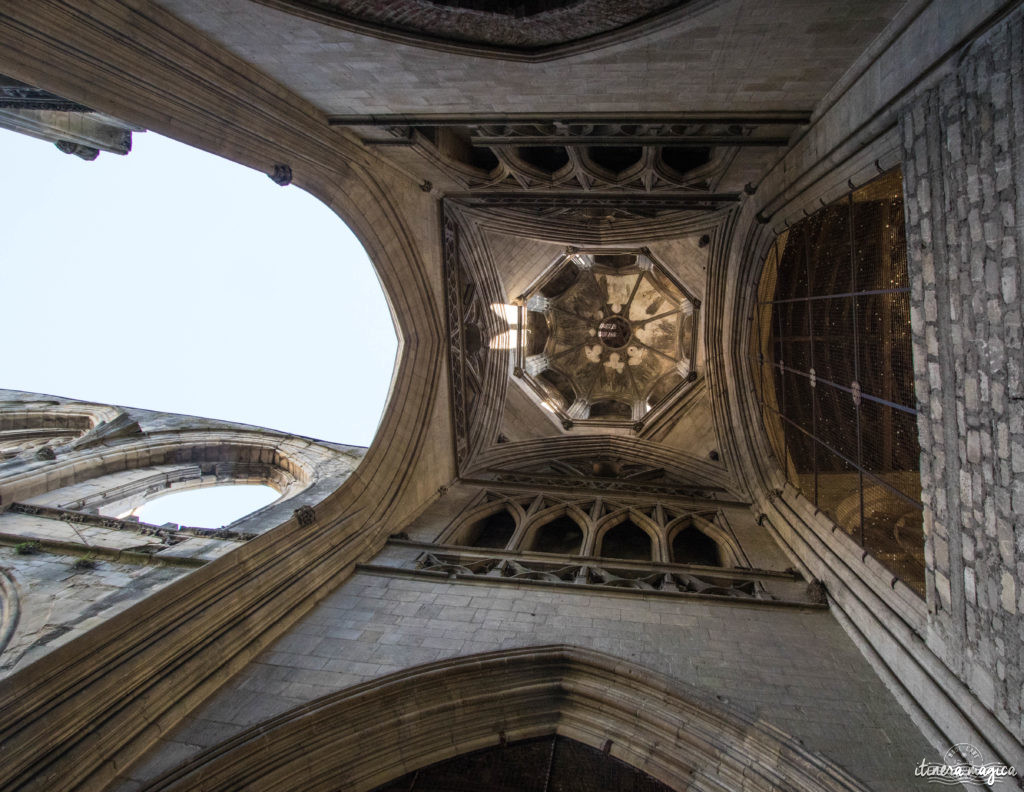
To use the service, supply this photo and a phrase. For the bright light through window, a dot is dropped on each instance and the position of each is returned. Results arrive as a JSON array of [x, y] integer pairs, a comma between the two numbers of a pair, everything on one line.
[[509, 339], [211, 507]]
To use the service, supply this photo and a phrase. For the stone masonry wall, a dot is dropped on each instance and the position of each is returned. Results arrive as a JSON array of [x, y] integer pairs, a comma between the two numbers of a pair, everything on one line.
[[791, 667], [963, 143]]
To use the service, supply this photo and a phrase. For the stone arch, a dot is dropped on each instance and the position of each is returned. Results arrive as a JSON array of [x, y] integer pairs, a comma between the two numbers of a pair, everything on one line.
[[729, 551], [467, 530], [146, 483], [189, 447], [374, 732], [182, 460], [690, 545], [32, 426], [428, 26], [633, 516], [520, 455], [539, 522]]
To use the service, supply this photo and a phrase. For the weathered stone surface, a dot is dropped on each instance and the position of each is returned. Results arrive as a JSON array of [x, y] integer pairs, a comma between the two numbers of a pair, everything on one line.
[[964, 148], [809, 680]]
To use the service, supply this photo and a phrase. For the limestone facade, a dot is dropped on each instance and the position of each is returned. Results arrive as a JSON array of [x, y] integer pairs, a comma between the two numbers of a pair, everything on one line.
[[961, 146]]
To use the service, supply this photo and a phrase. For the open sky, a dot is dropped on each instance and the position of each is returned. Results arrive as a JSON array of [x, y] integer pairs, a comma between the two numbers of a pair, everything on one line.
[[174, 280]]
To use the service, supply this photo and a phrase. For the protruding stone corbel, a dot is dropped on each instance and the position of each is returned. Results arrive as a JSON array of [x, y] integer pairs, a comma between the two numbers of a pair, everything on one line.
[[305, 515], [282, 175], [87, 153], [817, 593]]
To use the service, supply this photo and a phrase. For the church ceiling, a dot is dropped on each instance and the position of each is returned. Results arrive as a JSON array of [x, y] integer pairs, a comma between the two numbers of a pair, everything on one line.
[[606, 337], [559, 384], [707, 56], [526, 29]]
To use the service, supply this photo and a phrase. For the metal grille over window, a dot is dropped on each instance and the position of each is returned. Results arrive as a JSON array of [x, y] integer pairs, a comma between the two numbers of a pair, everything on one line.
[[834, 375]]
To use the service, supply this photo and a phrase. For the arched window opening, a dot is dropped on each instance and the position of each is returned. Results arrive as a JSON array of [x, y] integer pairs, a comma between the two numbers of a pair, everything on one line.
[[561, 535], [493, 531], [611, 408], [693, 546], [546, 158], [627, 540], [832, 366], [684, 160], [208, 507], [615, 158]]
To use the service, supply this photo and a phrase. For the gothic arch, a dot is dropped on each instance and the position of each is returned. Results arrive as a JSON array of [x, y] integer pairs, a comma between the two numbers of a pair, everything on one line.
[[462, 528], [359, 738], [520, 455], [537, 522], [296, 462], [612, 521], [729, 550]]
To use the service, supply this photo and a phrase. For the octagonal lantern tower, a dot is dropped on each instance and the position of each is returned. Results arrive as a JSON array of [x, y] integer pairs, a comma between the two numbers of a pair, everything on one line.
[[608, 338]]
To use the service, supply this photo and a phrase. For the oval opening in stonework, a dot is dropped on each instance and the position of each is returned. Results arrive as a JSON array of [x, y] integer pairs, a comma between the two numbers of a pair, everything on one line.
[[209, 507]]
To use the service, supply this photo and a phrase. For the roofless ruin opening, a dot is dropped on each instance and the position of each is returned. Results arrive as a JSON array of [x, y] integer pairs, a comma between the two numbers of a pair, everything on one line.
[[205, 280]]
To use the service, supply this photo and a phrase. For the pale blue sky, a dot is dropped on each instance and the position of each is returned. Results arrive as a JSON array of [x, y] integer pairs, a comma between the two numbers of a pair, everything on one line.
[[173, 280]]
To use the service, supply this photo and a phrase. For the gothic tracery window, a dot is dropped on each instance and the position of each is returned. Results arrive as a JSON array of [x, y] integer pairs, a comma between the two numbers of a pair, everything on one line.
[[690, 545], [494, 531], [560, 535], [627, 540]]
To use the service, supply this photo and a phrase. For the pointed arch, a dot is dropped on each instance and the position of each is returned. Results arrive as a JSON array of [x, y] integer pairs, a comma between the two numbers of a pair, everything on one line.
[[542, 520], [632, 515], [372, 733], [467, 530], [690, 545], [729, 550]]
